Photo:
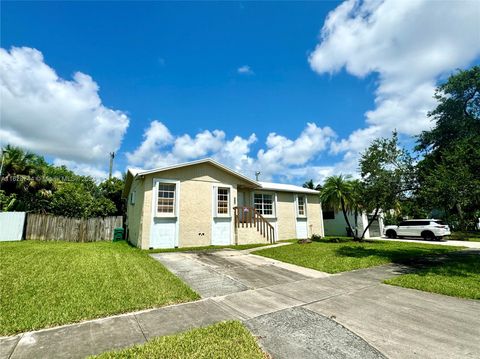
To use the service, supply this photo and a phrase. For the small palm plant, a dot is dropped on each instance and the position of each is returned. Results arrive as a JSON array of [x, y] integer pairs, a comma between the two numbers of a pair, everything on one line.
[[339, 192]]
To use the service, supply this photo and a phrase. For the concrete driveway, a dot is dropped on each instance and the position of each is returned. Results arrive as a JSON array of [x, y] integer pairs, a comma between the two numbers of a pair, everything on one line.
[[284, 305], [218, 273]]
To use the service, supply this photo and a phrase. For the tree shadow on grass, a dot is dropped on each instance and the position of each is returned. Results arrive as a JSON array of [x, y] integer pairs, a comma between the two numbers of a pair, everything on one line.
[[417, 260]]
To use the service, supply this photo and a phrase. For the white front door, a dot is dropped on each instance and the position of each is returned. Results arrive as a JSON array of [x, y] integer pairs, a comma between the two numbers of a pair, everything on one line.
[[302, 229], [163, 233], [222, 231]]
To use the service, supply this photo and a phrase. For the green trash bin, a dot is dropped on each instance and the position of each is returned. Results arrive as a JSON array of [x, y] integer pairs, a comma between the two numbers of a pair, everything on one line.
[[118, 234]]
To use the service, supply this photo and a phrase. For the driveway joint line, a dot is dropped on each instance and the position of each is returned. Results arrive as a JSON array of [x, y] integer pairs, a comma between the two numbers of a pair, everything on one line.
[[16, 344], [140, 327]]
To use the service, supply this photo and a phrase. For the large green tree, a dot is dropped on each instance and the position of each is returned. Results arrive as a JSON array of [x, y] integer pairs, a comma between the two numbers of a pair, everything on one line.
[[31, 184], [387, 177], [449, 173]]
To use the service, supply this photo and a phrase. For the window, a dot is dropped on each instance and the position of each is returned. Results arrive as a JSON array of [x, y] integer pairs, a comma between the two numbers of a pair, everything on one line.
[[132, 198], [166, 198], [328, 214], [301, 205], [263, 203], [223, 195]]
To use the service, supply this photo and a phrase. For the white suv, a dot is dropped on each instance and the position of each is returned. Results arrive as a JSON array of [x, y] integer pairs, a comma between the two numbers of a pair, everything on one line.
[[425, 228]]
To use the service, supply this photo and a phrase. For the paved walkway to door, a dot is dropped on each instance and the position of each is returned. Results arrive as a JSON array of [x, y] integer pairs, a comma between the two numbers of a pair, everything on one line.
[[294, 313]]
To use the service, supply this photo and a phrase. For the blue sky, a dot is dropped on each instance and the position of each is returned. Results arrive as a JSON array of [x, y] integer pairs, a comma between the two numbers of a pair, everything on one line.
[[178, 64]]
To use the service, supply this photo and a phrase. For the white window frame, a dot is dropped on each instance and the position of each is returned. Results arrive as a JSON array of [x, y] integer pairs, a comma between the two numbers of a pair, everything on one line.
[[156, 182], [297, 206], [274, 203], [215, 200]]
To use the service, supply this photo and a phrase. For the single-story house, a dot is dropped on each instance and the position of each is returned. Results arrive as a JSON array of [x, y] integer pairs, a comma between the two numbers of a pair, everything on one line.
[[335, 224], [203, 203]]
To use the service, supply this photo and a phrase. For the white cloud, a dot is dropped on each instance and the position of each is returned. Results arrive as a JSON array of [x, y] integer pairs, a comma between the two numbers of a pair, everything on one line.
[[409, 45], [245, 70], [282, 158], [52, 116], [283, 154], [155, 138]]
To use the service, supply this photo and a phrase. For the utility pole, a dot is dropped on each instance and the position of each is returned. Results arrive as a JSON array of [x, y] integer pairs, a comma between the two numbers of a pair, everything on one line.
[[112, 156], [256, 175]]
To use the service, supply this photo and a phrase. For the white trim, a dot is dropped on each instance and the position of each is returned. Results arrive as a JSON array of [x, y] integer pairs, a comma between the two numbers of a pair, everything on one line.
[[176, 214], [191, 163], [274, 203], [215, 188], [215, 215], [297, 212], [156, 182]]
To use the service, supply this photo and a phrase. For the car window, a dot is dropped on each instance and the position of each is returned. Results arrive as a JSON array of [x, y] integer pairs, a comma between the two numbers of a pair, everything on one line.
[[404, 223], [442, 223]]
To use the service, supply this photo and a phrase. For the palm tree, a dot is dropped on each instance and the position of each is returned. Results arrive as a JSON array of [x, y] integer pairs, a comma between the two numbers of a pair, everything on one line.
[[310, 185], [22, 174], [338, 193]]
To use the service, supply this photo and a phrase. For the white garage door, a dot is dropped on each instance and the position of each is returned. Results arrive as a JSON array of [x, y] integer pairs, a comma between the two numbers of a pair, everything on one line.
[[163, 233], [221, 232], [302, 230]]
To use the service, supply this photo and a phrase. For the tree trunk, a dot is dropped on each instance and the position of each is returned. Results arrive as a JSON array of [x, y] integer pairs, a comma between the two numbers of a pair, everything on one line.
[[374, 217], [346, 218], [461, 216]]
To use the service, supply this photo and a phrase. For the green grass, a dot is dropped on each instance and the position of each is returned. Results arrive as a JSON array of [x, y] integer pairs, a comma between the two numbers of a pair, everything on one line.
[[223, 340], [340, 257], [458, 276], [208, 248], [44, 284], [471, 236]]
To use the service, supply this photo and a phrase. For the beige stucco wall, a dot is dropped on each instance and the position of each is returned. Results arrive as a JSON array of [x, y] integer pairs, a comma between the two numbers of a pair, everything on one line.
[[314, 215], [134, 212], [286, 216], [195, 202], [249, 236]]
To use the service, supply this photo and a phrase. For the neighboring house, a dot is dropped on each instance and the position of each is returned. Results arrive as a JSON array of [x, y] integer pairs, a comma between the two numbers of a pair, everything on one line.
[[203, 203], [335, 224]]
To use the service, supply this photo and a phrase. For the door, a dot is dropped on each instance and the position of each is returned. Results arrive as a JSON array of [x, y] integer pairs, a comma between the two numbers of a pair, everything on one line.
[[241, 203], [302, 228], [164, 232], [221, 232]]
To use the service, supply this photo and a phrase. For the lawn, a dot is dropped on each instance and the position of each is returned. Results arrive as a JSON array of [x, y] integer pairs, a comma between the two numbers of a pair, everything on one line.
[[223, 340], [45, 284], [238, 247], [458, 276], [334, 257], [472, 236]]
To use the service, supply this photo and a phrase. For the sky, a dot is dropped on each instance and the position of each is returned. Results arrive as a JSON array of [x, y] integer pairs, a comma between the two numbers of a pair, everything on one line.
[[295, 90]]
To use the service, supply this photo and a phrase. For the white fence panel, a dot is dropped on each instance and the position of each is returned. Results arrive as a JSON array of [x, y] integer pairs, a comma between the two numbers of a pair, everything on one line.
[[11, 226]]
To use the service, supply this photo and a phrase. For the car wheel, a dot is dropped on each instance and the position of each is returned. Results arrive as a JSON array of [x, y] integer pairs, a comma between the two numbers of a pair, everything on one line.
[[428, 236], [391, 234]]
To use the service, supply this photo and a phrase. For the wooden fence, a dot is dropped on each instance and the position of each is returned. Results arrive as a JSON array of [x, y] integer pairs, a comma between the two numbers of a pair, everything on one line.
[[47, 227]]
